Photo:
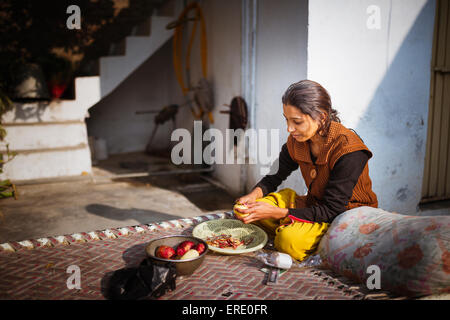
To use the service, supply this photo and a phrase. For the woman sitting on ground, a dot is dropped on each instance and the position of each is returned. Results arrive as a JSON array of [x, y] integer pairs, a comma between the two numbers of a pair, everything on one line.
[[333, 162]]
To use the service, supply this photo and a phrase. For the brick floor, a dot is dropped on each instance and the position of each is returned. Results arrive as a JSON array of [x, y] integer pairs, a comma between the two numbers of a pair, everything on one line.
[[40, 272]]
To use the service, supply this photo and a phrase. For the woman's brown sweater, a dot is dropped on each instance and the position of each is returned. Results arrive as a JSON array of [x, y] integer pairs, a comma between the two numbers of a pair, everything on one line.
[[337, 180]]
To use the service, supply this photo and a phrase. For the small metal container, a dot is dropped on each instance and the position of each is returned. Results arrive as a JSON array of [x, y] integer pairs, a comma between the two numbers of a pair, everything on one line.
[[184, 267]]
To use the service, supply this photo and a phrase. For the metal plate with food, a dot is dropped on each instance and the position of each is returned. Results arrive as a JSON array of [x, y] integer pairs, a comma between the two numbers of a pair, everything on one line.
[[231, 236]]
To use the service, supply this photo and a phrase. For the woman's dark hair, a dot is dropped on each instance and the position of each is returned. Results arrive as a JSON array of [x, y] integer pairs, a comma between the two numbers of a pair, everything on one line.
[[311, 99]]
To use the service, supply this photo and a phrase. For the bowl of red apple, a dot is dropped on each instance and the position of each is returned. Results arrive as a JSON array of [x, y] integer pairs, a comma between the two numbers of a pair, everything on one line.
[[186, 252]]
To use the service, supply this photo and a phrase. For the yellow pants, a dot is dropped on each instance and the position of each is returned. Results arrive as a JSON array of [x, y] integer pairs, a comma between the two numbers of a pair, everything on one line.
[[298, 239]]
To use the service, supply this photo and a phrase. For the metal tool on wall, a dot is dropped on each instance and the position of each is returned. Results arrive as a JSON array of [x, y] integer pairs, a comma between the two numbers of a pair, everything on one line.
[[199, 97], [165, 114], [204, 99], [238, 114]]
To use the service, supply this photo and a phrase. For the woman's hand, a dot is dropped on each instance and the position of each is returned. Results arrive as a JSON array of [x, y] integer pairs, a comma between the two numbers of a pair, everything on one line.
[[261, 210], [251, 197], [248, 198]]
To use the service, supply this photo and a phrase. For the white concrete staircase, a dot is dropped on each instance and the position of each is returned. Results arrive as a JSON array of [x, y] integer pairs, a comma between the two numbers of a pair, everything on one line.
[[51, 139], [114, 69]]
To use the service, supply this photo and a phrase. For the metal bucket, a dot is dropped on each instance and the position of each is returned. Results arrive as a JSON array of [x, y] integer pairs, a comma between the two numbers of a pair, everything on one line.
[[184, 267]]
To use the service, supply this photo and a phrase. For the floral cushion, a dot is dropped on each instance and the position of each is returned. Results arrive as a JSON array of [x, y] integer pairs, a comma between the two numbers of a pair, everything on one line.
[[412, 252]]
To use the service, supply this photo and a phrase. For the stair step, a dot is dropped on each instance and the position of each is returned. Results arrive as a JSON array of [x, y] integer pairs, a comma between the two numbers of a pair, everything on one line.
[[166, 8], [92, 68], [44, 150], [144, 29], [57, 110], [87, 92], [51, 138], [112, 73], [117, 48], [45, 135], [115, 69], [48, 164]]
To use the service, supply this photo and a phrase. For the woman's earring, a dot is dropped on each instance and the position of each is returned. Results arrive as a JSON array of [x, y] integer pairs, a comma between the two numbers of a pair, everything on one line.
[[322, 123]]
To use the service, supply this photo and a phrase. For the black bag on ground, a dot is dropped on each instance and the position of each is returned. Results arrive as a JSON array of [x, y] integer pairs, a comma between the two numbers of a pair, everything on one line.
[[148, 280]]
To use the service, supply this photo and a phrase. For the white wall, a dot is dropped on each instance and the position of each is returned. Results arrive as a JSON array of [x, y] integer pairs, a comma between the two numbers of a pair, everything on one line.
[[281, 55], [281, 52], [154, 85], [379, 81], [223, 29]]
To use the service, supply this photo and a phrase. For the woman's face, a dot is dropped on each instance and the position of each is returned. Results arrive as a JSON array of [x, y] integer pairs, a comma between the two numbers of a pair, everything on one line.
[[301, 126]]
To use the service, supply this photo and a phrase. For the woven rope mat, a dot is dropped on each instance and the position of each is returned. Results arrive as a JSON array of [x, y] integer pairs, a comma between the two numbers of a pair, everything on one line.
[[37, 269]]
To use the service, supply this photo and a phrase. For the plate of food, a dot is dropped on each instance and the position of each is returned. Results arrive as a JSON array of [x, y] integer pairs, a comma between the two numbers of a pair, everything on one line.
[[231, 236]]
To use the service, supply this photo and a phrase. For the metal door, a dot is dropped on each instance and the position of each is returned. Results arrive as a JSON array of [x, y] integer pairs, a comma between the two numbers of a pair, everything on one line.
[[436, 182]]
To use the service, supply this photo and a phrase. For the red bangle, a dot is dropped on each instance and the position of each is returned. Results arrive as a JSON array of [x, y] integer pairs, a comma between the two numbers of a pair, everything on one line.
[[298, 219]]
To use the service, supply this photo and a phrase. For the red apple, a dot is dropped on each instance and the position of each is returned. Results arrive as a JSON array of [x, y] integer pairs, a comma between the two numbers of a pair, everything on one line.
[[184, 247], [200, 247], [165, 252]]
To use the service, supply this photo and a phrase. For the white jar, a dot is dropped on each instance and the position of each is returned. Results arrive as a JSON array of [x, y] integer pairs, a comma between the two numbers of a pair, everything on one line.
[[280, 260], [100, 149]]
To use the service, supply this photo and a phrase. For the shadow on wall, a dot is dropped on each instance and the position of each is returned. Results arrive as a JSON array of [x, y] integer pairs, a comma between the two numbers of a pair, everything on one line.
[[142, 216], [30, 111], [394, 124]]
